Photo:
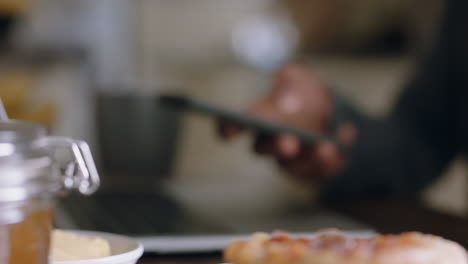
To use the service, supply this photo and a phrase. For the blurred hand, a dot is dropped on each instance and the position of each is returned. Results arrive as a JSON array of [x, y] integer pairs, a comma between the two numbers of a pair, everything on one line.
[[298, 99]]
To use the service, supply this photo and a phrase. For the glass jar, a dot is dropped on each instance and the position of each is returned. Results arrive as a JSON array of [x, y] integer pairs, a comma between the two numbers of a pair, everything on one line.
[[34, 170]]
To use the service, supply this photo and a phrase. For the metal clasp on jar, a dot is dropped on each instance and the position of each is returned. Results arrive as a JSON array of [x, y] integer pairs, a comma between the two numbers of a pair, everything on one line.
[[80, 173]]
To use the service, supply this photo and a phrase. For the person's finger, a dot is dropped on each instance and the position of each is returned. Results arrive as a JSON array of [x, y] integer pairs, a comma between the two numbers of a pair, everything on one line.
[[304, 167], [264, 110], [287, 146], [290, 74], [286, 96], [329, 157], [228, 130], [296, 168], [314, 163], [290, 102], [264, 145]]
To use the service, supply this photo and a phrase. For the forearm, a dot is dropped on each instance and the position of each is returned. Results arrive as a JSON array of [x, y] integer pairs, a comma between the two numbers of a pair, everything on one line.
[[404, 153], [386, 159]]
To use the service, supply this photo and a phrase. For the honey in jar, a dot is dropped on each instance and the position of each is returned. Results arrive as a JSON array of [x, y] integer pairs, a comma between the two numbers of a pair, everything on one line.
[[26, 241]]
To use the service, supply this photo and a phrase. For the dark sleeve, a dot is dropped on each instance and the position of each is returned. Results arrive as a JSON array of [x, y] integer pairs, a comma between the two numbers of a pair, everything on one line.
[[408, 150]]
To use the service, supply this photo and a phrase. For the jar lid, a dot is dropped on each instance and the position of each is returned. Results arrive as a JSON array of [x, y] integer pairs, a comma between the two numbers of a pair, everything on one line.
[[29, 166], [20, 132]]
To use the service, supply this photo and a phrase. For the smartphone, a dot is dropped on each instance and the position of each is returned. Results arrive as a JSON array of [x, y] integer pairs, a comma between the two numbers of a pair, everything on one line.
[[183, 103]]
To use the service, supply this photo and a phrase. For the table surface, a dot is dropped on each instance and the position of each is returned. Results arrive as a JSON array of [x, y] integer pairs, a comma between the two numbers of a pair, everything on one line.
[[215, 259], [387, 216]]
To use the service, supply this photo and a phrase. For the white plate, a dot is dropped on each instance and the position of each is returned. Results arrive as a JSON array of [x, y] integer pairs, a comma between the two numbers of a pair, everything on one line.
[[124, 250]]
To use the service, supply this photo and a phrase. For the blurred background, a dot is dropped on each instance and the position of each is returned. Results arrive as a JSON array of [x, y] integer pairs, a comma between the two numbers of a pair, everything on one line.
[[90, 68]]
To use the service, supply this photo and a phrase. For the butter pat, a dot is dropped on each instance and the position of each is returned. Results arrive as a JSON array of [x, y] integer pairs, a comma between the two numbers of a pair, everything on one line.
[[69, 246]]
